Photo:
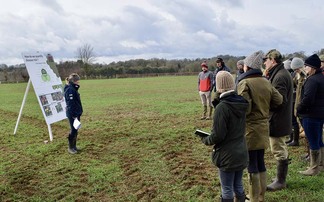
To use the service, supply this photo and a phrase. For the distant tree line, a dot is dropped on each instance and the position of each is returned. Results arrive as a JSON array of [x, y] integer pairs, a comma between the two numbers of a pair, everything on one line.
[[129, 68]]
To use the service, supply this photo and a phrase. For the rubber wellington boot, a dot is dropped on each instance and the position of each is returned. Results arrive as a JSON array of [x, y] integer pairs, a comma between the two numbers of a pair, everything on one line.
[[290, 138], [321, 166], [263, 186], [254, 187], [240, 198], [295, 141], [280, 181], [210, 113], [74, 143], [226, 200], [313, 169], [71, 150], [204, 113]]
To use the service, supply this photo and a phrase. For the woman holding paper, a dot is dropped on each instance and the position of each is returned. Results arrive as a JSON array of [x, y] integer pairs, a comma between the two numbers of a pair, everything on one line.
[[73, 109], [230, 152]]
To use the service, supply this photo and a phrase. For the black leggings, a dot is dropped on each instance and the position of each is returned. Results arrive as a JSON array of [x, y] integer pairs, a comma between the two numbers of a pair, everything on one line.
[[73, 132], [256, 161]]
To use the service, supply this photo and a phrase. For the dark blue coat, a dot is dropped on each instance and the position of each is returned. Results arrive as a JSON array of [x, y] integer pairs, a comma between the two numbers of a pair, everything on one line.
[[73, 101], [312, 97]]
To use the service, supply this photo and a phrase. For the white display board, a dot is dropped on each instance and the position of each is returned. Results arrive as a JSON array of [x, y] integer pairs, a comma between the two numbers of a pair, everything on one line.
[[47, 85]]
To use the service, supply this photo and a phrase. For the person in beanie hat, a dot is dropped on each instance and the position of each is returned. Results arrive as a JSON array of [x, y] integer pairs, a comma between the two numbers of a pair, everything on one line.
[[287, 64], [281, 119], [205, 86], [220, 66], [299, 76], [262, 97], [239, 65], [311, 111], [74, 108], [227, 135]]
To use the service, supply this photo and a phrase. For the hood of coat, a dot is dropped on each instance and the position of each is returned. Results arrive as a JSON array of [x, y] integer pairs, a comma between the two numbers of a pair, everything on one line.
[[236, 103], [250, 73]]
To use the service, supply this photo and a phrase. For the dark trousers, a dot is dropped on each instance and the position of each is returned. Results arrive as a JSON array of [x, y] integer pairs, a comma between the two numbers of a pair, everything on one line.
[[256, 161], [313, 129], [74, 132]]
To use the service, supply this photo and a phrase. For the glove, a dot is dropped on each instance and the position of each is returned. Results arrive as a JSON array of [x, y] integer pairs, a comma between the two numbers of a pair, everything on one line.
[[215, 102]]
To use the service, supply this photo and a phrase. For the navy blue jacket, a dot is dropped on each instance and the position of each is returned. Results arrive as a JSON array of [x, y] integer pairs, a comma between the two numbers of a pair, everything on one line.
[[312, 97], [73, 101]]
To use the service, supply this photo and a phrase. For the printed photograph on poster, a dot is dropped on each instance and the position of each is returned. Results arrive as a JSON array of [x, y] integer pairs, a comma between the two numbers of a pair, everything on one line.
[[47, 84]]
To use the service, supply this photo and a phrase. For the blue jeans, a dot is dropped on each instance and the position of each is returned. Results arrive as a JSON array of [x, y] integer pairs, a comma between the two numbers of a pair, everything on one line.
[[313, 130], [231, 183]]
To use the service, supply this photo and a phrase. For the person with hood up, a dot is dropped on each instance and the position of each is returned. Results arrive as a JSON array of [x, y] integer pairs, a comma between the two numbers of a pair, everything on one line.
[[262, 97], [227, 135]]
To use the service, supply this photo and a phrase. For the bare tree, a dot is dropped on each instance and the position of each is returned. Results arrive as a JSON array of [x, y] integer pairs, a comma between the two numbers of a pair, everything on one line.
[[86, 54]]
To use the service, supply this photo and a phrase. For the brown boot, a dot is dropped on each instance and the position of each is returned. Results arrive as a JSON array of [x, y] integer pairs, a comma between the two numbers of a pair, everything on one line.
[[254, 187], [204, 113], [280, 182], [210, 113], [313, 169], [321, 166], [263, 186]]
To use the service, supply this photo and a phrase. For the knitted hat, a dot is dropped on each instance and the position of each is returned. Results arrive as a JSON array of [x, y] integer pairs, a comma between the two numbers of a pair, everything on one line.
[[240, 62], [297, 63], [254, 61], [204, 64], [224, 81], [313, 61], [322, 58], [287, 64]]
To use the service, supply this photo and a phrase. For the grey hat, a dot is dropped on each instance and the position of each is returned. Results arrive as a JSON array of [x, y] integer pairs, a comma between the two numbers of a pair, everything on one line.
[[255, 60], [297, 63], [287, 64], [240, 62]]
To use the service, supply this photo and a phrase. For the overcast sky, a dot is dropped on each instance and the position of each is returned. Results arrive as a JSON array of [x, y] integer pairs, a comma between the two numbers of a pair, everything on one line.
[[120, 30]]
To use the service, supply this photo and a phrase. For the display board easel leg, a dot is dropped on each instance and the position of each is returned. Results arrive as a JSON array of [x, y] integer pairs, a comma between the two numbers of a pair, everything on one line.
[[22, 106]]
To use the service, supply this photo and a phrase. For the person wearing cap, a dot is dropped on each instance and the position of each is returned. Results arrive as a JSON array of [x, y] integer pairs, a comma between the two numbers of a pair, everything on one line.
[[205, 86], [239, 66], [230, 153], [280, 119], [73, 108], [311, 111], [261, 96], [220, 66]]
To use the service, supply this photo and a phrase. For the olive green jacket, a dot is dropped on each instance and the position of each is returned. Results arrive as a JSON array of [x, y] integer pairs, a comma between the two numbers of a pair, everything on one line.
[[261, 96]]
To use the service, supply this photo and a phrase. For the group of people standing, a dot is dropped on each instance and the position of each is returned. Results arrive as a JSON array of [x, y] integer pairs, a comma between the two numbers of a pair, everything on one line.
[[255, 111]]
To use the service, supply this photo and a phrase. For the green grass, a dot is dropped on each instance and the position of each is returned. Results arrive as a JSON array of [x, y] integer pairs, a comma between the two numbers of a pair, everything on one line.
[[137, 144]]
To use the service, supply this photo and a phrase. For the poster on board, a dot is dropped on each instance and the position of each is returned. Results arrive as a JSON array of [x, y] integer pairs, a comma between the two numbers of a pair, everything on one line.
[[47, 85]]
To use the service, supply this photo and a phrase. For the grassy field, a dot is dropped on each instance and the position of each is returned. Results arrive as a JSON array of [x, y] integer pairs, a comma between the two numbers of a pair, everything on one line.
[[136, 142]]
